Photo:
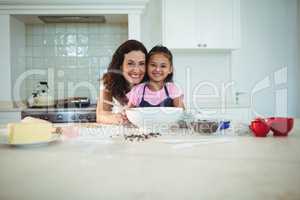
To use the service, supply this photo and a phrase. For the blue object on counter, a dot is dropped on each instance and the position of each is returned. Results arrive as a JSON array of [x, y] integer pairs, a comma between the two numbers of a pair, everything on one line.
[[224, 124]]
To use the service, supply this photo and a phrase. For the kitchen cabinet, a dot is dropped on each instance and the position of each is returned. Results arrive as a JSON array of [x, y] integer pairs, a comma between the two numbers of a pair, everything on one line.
[[201, 24]]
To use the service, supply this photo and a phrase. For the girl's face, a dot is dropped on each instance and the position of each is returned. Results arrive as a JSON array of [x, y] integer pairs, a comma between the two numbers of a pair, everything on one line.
[[159, 67], [133, 67]]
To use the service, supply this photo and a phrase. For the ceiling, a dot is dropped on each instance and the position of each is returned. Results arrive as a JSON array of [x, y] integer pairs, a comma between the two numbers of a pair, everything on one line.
[[71, 2], [110, 18], [115, 11]]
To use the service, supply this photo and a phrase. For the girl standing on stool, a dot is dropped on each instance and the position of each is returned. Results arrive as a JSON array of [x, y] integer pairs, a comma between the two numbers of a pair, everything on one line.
[[159, 89]]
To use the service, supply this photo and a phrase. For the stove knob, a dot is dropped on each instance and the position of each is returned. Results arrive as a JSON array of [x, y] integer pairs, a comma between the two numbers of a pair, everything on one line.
[[59, 117], [81, 116], [88, 117], [46, 117], [73, 117]]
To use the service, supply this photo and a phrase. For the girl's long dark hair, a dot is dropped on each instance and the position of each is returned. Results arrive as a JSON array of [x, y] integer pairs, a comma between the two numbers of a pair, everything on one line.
[[113, 79]]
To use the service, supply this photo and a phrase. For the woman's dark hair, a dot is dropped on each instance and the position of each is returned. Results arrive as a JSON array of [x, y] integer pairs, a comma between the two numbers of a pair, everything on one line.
[[159, 49], [113, 79]]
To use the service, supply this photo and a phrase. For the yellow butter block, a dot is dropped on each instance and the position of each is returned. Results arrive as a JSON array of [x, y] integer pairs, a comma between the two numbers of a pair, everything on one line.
[[26, 133], [34, 120]]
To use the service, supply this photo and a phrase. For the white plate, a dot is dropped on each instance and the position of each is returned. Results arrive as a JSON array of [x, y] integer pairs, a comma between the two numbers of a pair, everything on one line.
[[4, 140]]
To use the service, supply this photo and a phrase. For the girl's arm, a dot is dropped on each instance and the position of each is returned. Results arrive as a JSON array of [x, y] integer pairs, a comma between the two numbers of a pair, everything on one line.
[[104, 111], [177, 95], [178, 102]]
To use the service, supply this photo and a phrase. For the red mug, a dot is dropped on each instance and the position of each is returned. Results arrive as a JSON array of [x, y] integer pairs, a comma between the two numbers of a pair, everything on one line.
[[259, 127]]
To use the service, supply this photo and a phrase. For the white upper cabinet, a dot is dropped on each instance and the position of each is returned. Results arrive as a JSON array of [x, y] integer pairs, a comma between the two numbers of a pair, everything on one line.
[[201, 24], [179, 24]]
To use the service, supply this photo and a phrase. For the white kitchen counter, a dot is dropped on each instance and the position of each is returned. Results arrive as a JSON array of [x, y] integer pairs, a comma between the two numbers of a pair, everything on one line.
[[240, 167], [8, 106]]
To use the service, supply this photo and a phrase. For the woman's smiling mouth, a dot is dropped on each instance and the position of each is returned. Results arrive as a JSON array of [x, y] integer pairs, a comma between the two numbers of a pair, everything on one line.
[[135, 76]]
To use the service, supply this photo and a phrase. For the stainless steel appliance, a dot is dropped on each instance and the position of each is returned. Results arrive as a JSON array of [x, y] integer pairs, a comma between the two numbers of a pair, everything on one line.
[[64, 111]]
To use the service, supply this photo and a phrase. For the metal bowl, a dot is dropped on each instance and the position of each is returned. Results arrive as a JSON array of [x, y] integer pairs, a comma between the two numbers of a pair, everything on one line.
[[205, 126]]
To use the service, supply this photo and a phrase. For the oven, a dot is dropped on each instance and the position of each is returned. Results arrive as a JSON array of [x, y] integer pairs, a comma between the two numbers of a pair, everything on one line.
[[67, 111], [62, 115]]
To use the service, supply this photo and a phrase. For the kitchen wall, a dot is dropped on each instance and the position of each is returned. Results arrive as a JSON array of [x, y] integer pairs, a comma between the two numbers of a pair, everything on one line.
[[71, 56], [266, 67], [202, 77], [267, 61], [18, 57], [298, 61], [196, 73], [294, 61], [5, 75]]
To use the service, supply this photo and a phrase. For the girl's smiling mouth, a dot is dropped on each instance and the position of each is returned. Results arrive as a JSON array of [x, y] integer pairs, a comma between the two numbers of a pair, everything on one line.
[[157, 74]]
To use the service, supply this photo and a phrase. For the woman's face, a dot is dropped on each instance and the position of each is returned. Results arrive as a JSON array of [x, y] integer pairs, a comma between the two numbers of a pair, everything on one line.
[[134, 67], [159, 67]]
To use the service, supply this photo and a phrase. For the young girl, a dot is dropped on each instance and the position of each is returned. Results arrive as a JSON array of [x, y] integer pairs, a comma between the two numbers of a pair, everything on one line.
[[159, 89]]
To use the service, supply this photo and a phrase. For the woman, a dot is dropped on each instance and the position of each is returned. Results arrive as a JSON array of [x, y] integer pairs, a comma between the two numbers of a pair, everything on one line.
[[127, 68]]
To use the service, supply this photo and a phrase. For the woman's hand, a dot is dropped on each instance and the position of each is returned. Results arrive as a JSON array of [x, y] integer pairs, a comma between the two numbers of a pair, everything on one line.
[[121, 118]]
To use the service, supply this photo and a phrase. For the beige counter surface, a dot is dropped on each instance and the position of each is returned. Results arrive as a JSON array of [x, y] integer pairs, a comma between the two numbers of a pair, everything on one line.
[[167, 167]]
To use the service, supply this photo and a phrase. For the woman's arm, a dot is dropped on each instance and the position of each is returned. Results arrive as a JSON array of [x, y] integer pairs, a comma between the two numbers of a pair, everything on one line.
[[104, 111]]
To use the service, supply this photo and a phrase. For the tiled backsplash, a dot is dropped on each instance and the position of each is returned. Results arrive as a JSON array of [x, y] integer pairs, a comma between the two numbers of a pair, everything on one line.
[[74, 56]]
